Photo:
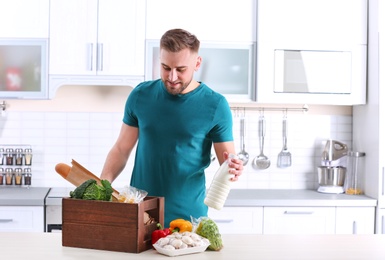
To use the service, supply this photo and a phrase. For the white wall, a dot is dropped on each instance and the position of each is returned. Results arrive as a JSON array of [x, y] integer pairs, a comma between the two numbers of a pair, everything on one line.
[[82, 123]]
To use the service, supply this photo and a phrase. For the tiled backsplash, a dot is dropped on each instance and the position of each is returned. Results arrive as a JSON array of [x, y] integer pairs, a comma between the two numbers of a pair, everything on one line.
[[59, 137]]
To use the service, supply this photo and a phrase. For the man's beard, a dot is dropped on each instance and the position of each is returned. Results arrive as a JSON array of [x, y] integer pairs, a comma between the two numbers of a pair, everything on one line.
[[176, 91]]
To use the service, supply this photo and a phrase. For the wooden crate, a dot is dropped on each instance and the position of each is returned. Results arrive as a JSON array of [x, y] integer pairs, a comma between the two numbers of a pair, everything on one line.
[[108, 225]]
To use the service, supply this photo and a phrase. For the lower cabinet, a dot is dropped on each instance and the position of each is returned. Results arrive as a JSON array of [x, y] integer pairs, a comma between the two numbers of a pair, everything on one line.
[[21, 219], [295, 220], [355, 220], [299, 220], [238, 220]]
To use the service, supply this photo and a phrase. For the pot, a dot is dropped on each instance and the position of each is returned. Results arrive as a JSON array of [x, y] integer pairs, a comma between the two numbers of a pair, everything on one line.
[[331, 176]]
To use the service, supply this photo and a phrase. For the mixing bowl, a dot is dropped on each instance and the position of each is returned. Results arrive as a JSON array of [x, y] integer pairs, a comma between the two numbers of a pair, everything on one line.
[[331, 175]]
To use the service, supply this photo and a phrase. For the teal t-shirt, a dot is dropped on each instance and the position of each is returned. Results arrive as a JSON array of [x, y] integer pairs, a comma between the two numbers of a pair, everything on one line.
[[176, 133]]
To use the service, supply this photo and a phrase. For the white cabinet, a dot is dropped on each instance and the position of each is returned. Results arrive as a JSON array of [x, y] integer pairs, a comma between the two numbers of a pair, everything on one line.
[[336, 28], [238, 220], [96, 41], [369, 120], [24, 19], [355, 220], [213, 20], [299, 220], [21, 219]]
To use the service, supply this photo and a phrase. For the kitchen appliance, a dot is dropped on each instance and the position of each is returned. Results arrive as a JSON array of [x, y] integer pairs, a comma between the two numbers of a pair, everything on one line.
[[332, 172]]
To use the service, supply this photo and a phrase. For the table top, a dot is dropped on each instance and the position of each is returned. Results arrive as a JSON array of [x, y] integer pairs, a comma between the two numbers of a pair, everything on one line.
[[48, 246]]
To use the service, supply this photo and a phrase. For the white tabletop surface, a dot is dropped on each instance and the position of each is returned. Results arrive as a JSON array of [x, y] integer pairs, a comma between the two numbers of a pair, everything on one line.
[[236, 247]]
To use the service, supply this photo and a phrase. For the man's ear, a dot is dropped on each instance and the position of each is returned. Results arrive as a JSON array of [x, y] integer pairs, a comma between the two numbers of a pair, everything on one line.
[[198, 63]]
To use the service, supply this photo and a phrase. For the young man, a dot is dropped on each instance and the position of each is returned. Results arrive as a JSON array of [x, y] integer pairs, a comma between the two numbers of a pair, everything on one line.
[[175, 121]]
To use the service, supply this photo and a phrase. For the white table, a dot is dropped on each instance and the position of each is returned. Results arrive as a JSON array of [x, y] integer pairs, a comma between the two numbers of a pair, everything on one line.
[[236, 247]]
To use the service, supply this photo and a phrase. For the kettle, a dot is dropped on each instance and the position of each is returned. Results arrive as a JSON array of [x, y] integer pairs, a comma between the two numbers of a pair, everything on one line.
[[334, 150]]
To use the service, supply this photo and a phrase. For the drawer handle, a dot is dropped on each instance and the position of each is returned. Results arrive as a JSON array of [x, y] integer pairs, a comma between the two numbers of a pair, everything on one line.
[[223, 220], [5, 220], [298, 212]]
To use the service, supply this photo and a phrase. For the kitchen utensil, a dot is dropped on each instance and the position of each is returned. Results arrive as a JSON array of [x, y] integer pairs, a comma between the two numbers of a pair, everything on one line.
[[261, 162], [354, 174], [77, 174], [284, 157], [243, 155], [331, 176], [334, 150]]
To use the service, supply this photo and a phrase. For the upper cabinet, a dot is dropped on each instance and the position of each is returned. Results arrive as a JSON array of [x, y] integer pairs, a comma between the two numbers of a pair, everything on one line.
[[214, 20], [96, 42], [24, 19], [312, 52]]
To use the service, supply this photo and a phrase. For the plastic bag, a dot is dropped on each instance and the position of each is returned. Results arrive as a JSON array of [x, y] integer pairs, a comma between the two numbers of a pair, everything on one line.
[[132, 195]]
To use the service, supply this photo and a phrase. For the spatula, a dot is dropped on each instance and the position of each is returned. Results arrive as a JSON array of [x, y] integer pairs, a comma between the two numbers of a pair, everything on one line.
[[284, 157]]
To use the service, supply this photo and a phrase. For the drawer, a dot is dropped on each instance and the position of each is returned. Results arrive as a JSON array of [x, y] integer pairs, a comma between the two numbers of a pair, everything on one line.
[[22, 219], [299, 220], [238, 220]]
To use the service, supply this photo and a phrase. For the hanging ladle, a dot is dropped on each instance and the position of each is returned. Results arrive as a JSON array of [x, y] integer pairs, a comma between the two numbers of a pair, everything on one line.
[[243, 155], [261, 162]]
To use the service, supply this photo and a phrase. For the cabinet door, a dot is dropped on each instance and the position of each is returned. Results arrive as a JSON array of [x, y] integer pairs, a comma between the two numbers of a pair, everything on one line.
[[21, 219], [212, 20], [24, 19], [73, 32], [299, 220], [320, 27], [238, 220], [355, 220], [121, 37]]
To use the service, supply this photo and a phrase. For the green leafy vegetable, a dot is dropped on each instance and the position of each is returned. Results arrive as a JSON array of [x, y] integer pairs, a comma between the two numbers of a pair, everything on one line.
[[208, 228], [90, 190]]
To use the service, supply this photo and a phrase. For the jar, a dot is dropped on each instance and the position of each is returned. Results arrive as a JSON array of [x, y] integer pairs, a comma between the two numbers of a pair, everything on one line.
[[27, 177], [19, 156], [18, 176], [2, 156], [28, 157], [9, 156], [1, 176], [355, 174], [8, 176]]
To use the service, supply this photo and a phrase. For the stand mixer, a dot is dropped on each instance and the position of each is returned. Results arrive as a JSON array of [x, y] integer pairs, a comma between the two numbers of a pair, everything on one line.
[[331, 173]]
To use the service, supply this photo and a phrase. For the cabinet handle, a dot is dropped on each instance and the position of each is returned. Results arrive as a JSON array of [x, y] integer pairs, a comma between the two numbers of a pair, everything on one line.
[[383, 183], [90, 55], [383, 224], [100, 57], [298, 212], [354, 227], [224, 220], [6, 220]]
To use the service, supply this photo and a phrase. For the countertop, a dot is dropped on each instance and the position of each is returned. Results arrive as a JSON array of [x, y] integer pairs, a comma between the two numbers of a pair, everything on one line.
[[48, 246], [23, 196], [299, 198]]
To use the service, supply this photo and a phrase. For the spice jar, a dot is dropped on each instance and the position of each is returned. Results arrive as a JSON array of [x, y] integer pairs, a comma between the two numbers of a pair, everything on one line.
[[1, 176], [9, 156], [28, 157], [353, 184], [8, 176], [18, 176], [2, 156], [19, 156], [27, 176]]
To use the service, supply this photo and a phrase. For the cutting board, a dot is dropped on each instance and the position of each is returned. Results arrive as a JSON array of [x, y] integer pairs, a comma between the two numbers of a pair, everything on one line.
[[77, 174]]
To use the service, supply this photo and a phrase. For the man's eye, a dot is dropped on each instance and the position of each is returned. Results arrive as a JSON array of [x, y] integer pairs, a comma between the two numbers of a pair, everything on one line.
[[166, 68], [181, 70]]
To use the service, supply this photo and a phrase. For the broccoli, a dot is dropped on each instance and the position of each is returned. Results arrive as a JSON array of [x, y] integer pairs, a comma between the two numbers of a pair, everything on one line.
[[208, 228], [90, 190]]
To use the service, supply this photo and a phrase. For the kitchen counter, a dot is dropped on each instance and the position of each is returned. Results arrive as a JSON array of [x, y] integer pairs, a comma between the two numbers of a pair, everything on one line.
[[23, 196], [48, 246], [297, 198]]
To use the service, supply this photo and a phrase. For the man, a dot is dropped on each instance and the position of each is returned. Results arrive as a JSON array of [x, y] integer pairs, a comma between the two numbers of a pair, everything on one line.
[[175, 121]]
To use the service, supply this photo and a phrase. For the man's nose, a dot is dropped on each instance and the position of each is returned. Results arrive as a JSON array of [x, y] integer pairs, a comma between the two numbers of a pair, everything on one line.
[[172, 76]]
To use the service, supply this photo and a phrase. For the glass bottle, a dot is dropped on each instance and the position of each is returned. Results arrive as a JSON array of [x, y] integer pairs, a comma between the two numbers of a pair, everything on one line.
[[2, 156], [9, 156], [27, 177], [28, 157], [353, 182], [1, 176], [8, 176], [19, 156], [220, 186]]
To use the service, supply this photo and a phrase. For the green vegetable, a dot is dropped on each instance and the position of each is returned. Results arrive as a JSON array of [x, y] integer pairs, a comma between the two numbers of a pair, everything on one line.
[[90, 190], [208, 228]]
